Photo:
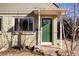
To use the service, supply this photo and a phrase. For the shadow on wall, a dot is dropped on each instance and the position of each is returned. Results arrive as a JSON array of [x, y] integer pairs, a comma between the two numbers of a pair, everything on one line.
[[19, 43]]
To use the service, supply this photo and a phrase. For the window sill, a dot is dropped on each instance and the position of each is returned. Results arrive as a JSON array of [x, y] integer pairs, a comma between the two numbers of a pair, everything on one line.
[[23, 32]]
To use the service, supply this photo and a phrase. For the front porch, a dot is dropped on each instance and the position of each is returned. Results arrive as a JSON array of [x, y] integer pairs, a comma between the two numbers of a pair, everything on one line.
[[52, 36]]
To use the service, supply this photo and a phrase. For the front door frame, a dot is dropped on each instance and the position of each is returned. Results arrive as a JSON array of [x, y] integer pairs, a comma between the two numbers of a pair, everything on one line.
[[45, 43]]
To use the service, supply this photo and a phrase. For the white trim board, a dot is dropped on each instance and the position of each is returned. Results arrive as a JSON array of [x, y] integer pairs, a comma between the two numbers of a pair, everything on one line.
[[46, 43]]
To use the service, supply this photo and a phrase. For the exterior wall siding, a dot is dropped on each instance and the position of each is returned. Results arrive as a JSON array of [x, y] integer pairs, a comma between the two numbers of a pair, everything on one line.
[[27, 38]]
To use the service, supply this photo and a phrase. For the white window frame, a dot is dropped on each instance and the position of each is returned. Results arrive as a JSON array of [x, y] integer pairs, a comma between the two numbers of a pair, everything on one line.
[[19, 25]]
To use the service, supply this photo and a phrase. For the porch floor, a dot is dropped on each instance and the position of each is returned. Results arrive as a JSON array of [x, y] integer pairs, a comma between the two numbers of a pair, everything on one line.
[[49, 50]]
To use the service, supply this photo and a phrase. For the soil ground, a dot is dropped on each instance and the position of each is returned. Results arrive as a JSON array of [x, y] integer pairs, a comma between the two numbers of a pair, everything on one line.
[[16, 52], [46, 49]]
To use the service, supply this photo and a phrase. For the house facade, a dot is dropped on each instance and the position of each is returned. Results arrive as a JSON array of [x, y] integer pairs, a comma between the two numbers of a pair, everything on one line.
[[32, 24]]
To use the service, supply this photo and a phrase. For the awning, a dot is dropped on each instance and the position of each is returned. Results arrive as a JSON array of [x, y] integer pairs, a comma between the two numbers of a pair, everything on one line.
[[51, 12]]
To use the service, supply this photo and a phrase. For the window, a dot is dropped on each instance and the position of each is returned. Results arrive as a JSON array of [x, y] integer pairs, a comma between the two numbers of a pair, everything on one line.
[[0, 23], [24, 24]]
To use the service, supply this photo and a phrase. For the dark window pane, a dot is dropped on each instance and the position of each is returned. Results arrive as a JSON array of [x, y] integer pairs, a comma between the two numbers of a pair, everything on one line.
[[30, 24], [0, 24], [24, 24], [16, 24]]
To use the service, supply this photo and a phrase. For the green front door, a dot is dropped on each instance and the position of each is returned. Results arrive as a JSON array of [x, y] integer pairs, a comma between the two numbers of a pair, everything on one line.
[[46, 29]]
